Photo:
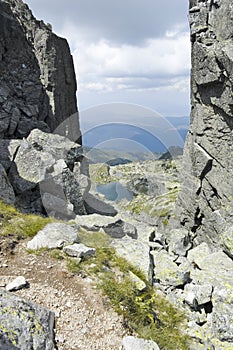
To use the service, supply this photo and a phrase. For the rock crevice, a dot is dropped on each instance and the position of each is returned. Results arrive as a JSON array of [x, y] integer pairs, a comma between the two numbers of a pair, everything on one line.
[[207, 189], [38, 84]]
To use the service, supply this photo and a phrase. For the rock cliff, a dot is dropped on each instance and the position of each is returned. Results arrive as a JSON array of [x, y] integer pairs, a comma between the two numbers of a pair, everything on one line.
[[205, 205], [37, 79]]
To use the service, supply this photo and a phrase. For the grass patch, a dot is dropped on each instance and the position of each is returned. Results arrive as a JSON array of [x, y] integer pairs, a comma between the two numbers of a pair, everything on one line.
[[37, 252], [147, 313], [13, 222], [57, 254], [73, 265], [99, 173], [94, 239]]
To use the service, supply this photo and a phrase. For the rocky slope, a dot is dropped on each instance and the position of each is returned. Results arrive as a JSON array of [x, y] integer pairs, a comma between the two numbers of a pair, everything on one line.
[[187, 259], [205, 204], [37, 84]]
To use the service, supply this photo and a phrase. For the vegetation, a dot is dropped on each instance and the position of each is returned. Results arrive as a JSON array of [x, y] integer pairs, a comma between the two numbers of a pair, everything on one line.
[[148, 313], [99, 173], [145, 312], [13, 222]]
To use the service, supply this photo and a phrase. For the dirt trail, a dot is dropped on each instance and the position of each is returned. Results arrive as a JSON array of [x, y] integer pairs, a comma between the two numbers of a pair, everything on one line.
[[84, 319]]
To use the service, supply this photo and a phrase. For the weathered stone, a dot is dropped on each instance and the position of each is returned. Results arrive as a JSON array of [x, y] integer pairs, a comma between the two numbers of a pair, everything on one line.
[[205, 201], [17, 284], [198, 254], [43, 164], [179, 241], [8, 151], [216, 270], [25, 325], [135, 252], [55, 235], [94, 222], [113, 226], [95, 205], [139, 284], [130, 342], [79, 250], [120, 229], [6, 190], [167, 272], [38, 84], [196, 295]]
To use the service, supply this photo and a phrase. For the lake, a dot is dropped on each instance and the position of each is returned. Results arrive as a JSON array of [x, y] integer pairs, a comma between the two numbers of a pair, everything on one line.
[[114, 191]]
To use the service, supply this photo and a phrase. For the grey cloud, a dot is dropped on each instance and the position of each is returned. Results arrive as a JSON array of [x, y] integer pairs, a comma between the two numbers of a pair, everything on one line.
[[122, 21]]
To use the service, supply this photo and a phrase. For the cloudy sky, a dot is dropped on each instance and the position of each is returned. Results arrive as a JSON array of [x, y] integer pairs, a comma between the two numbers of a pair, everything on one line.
[[131, 51]]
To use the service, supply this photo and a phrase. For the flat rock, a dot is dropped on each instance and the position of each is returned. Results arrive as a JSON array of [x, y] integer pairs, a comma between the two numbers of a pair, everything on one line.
[[79, 250], [94, 222], [198, 254], [113, 226], [55, 235], [135, 252], [133, 343], [17, 284], [25, 324]]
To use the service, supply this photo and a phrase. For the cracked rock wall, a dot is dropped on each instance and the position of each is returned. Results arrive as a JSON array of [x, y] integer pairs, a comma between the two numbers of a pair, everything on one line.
[[37, 78], [205, 204]]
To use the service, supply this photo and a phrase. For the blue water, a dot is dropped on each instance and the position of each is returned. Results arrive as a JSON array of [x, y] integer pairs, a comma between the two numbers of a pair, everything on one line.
[[114, 191]]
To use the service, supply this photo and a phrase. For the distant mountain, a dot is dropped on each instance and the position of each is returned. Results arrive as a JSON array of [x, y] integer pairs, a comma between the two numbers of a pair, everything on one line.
[[115, 157], [127, 141]]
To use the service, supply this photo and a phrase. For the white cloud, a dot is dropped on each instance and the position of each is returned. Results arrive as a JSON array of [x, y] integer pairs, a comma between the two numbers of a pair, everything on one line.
[[107, 67]]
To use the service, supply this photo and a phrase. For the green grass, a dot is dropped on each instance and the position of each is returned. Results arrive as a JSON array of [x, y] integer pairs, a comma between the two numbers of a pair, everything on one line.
[[99, 174], [94, 239], [147, 313], [13, 222]]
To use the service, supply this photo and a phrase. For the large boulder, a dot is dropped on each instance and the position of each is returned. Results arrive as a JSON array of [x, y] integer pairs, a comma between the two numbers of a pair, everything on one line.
[[55, 235], [47, 173], [25, 325]]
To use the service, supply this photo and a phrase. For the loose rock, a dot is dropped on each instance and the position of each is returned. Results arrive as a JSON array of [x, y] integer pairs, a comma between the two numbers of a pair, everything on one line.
[[18, 283], [79, 251]]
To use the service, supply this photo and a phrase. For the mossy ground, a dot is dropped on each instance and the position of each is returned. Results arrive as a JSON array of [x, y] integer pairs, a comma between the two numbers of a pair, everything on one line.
[[20, 225]]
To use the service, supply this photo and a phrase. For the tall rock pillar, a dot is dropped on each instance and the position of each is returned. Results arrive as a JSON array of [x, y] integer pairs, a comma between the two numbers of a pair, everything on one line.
[[205, 204]]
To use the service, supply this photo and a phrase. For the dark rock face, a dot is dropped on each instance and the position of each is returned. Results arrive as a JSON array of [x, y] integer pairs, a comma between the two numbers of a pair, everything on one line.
[[38, 84], [205, 205]]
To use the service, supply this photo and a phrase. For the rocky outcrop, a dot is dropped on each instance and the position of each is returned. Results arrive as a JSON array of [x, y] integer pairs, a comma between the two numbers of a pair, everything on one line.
[[38, 84], [25, 325], [205, 205], [48, 174]]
